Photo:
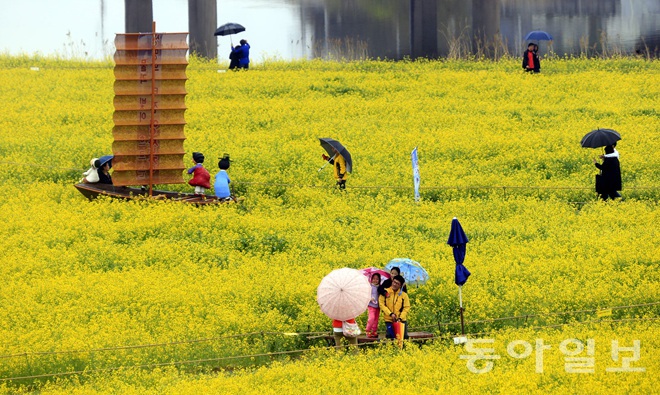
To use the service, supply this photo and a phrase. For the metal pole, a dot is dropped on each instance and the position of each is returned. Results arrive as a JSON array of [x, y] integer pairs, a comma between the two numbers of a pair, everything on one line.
[[153, 110], [460, 301], [328, 161]]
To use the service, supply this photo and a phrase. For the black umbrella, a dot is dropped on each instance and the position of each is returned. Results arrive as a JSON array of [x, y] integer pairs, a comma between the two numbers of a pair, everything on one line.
[[600, 138], [331, 145], [229, 28]]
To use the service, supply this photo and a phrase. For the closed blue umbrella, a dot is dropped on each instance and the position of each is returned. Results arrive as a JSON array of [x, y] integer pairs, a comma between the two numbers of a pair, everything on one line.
[[458, 240], [538, 35]]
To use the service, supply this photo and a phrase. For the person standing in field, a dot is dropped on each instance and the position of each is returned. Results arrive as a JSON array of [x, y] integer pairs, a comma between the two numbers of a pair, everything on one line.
[[338, 332], [233, 58], [340, 168], [373, 308], [530, 61], [609, 181], [243, 54]]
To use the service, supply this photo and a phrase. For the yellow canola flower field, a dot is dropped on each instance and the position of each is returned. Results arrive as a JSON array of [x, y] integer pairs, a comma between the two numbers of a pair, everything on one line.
[[106, 284]]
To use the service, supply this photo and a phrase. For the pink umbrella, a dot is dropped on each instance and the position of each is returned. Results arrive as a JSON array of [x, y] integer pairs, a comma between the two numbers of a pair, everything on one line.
[[343, 294], [371, 270]]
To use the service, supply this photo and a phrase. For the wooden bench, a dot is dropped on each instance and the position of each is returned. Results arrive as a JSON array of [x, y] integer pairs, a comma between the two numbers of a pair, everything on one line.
[[363, 339]]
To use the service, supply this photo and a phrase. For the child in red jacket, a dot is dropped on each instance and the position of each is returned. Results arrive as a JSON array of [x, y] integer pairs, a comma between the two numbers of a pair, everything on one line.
[[201, 178]]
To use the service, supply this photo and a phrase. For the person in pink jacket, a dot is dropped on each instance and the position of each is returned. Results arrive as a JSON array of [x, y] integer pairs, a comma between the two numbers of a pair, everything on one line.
[[373, 308]]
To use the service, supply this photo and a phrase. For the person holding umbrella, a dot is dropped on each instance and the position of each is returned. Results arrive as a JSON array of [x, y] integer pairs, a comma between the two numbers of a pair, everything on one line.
[[395, 307], [609, 182], [227, 30], [341, 159], [343, 295], [233, 58], [103, 166]]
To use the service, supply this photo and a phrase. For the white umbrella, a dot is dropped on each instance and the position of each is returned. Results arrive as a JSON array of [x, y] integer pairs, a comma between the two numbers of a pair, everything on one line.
[[344, 294]]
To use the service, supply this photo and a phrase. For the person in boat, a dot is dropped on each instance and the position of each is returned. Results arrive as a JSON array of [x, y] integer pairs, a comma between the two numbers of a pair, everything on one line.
[[201, 178], [340, 168], [222, 180], [91, 176], [103, 171]]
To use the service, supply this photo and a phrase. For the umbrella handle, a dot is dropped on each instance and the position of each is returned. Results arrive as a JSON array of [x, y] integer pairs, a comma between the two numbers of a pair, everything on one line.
[[326, 163]]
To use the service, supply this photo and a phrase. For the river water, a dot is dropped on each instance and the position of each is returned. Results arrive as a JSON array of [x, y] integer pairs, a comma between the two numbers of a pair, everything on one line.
[[393, 29]]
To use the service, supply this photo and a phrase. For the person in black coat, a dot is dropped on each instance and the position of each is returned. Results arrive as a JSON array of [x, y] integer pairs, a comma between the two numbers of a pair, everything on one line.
[[608, 182], [531, 62], [233, 57], [104, 172]]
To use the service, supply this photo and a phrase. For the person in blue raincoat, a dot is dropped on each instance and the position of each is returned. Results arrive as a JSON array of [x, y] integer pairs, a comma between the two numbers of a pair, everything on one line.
[[243, 54]]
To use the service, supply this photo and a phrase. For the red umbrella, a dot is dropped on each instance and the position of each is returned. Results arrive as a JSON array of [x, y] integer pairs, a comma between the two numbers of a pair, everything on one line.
[[370, 271]]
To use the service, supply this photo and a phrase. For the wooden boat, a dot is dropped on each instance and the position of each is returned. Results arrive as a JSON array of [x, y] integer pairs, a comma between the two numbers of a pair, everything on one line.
[[148, 132], [93, 191]]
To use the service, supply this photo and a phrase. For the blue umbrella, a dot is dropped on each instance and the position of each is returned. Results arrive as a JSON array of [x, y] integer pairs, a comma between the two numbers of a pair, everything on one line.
[[538, 35], [105, 159], [411, 271], [458, 239]]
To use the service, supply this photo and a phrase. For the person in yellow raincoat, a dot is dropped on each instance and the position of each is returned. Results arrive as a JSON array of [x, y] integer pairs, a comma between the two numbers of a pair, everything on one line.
[[340, 168], [395, 306]]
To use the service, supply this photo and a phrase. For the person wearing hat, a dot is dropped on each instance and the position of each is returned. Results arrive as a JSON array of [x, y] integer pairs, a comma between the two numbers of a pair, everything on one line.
[[201, 178], [222, 180], [531, 61], [103, 171]]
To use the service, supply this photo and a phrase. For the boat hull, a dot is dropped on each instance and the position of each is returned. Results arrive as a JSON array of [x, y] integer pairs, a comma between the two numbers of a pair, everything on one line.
[[92, 191]]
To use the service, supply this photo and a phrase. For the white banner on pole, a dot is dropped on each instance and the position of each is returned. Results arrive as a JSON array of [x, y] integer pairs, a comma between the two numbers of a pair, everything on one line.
[[415, 166]]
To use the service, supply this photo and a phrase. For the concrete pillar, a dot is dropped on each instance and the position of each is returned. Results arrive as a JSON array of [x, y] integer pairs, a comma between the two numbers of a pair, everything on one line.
[[138, 15], [202, 22], [424, 28], [485, 24]]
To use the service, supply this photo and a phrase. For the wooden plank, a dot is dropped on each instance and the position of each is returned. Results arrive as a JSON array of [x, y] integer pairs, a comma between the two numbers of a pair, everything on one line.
[[364, 339], [143, 41], [162, 56], [143, 117], [143, 72], [141, 132], [142, 88], [144, 147], [141, 177], [141, 162]]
